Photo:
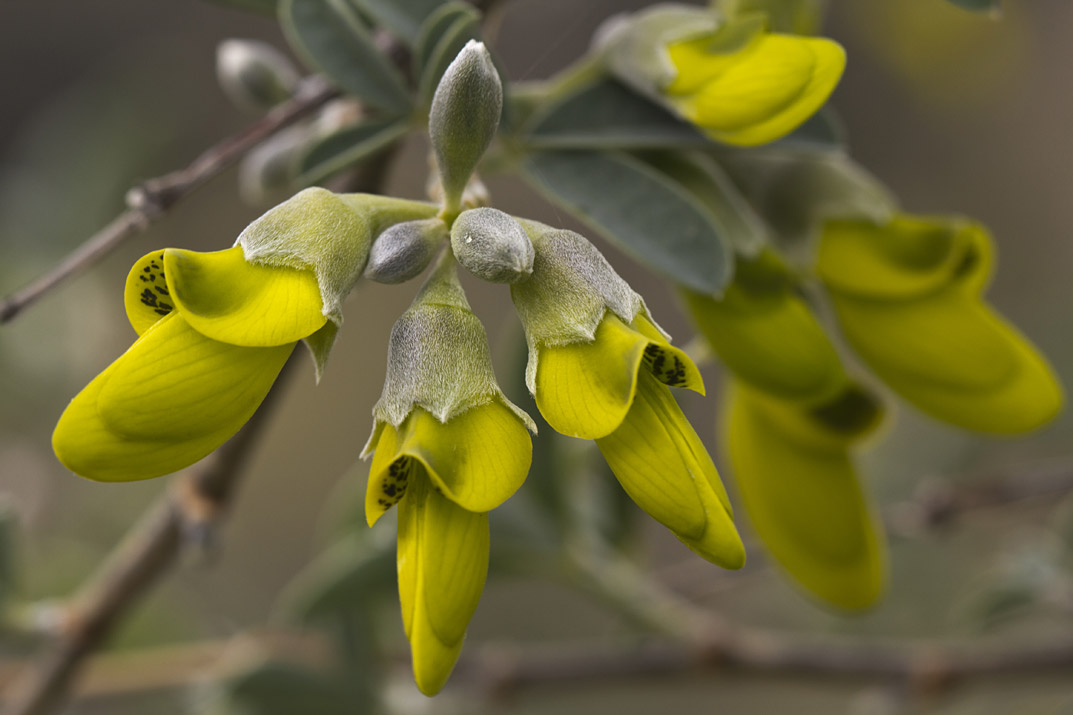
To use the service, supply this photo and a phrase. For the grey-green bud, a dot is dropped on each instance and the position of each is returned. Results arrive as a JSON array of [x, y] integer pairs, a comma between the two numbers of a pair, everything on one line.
[[255, 75], [404, 250], [464, 117], [492, 246]]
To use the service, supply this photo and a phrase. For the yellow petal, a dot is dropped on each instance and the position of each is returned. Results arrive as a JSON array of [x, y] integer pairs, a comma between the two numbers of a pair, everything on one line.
[[389, 474], [662, 464], [176, 384], [776, 83], [442, 564], [478, 458], [806, 504], [146, 296], [228, 299], [585, 389], [905, 258], [89, 447], [769, 337]]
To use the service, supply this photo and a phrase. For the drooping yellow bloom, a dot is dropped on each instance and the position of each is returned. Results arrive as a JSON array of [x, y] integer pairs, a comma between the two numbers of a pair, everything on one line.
[[755, 93], [600, 369], [448, 447], [802, 493], [792, 416], [908, 297], [735, 81], [214, 332]]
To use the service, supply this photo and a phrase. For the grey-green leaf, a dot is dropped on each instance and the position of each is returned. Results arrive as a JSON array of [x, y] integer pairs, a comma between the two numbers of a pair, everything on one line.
[[445, 34], [702, 176], [606, 115], [641, 210], [403, 18], [332, 37], [346, 148]]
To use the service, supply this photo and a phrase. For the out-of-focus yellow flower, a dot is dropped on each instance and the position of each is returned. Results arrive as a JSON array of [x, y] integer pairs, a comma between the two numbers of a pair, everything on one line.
[[802, 492], [734, 80], [908, 297], [214, 332], [757, 93], [600, 369]]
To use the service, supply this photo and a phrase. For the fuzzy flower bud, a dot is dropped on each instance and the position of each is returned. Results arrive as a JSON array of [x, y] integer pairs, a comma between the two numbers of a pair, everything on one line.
[[464, 117], [492, 246], [404, 250], [254, 75]]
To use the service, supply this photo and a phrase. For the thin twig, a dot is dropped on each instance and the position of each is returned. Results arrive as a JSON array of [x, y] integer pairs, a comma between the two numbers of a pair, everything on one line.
[[152, 199], [924, 669]]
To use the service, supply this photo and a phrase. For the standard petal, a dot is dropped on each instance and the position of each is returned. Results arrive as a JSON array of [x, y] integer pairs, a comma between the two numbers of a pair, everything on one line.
[[228, 299], [662, 464], [585, 389], [146, 296], [89, 448], [389, 474], [478, 458], [807, 505], [176, 384], [442, 565]]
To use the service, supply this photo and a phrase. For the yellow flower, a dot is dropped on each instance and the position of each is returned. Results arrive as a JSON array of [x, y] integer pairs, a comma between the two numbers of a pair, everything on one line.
[[600, 369], [755, 93], [908, 297], [448, 447], [802, 493], [214, 332], [731, 78]]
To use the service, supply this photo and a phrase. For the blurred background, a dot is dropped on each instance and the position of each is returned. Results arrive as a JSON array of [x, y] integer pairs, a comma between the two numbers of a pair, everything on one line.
[[957, 113]]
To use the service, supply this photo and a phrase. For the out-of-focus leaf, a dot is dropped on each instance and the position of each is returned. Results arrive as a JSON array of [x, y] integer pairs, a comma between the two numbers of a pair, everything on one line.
[[402, 18], [441, 38], [702, 176], [800, 17], [607, 115], [333, 38], [8, 554], [795, 191], [343, 579], [639, 209], [274, 688], [823, 131], [265, 7], [346, 148], [989, 6]]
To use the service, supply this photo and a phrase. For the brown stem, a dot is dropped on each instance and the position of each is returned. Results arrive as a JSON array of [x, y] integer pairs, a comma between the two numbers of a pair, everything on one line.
[[152, 199]]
